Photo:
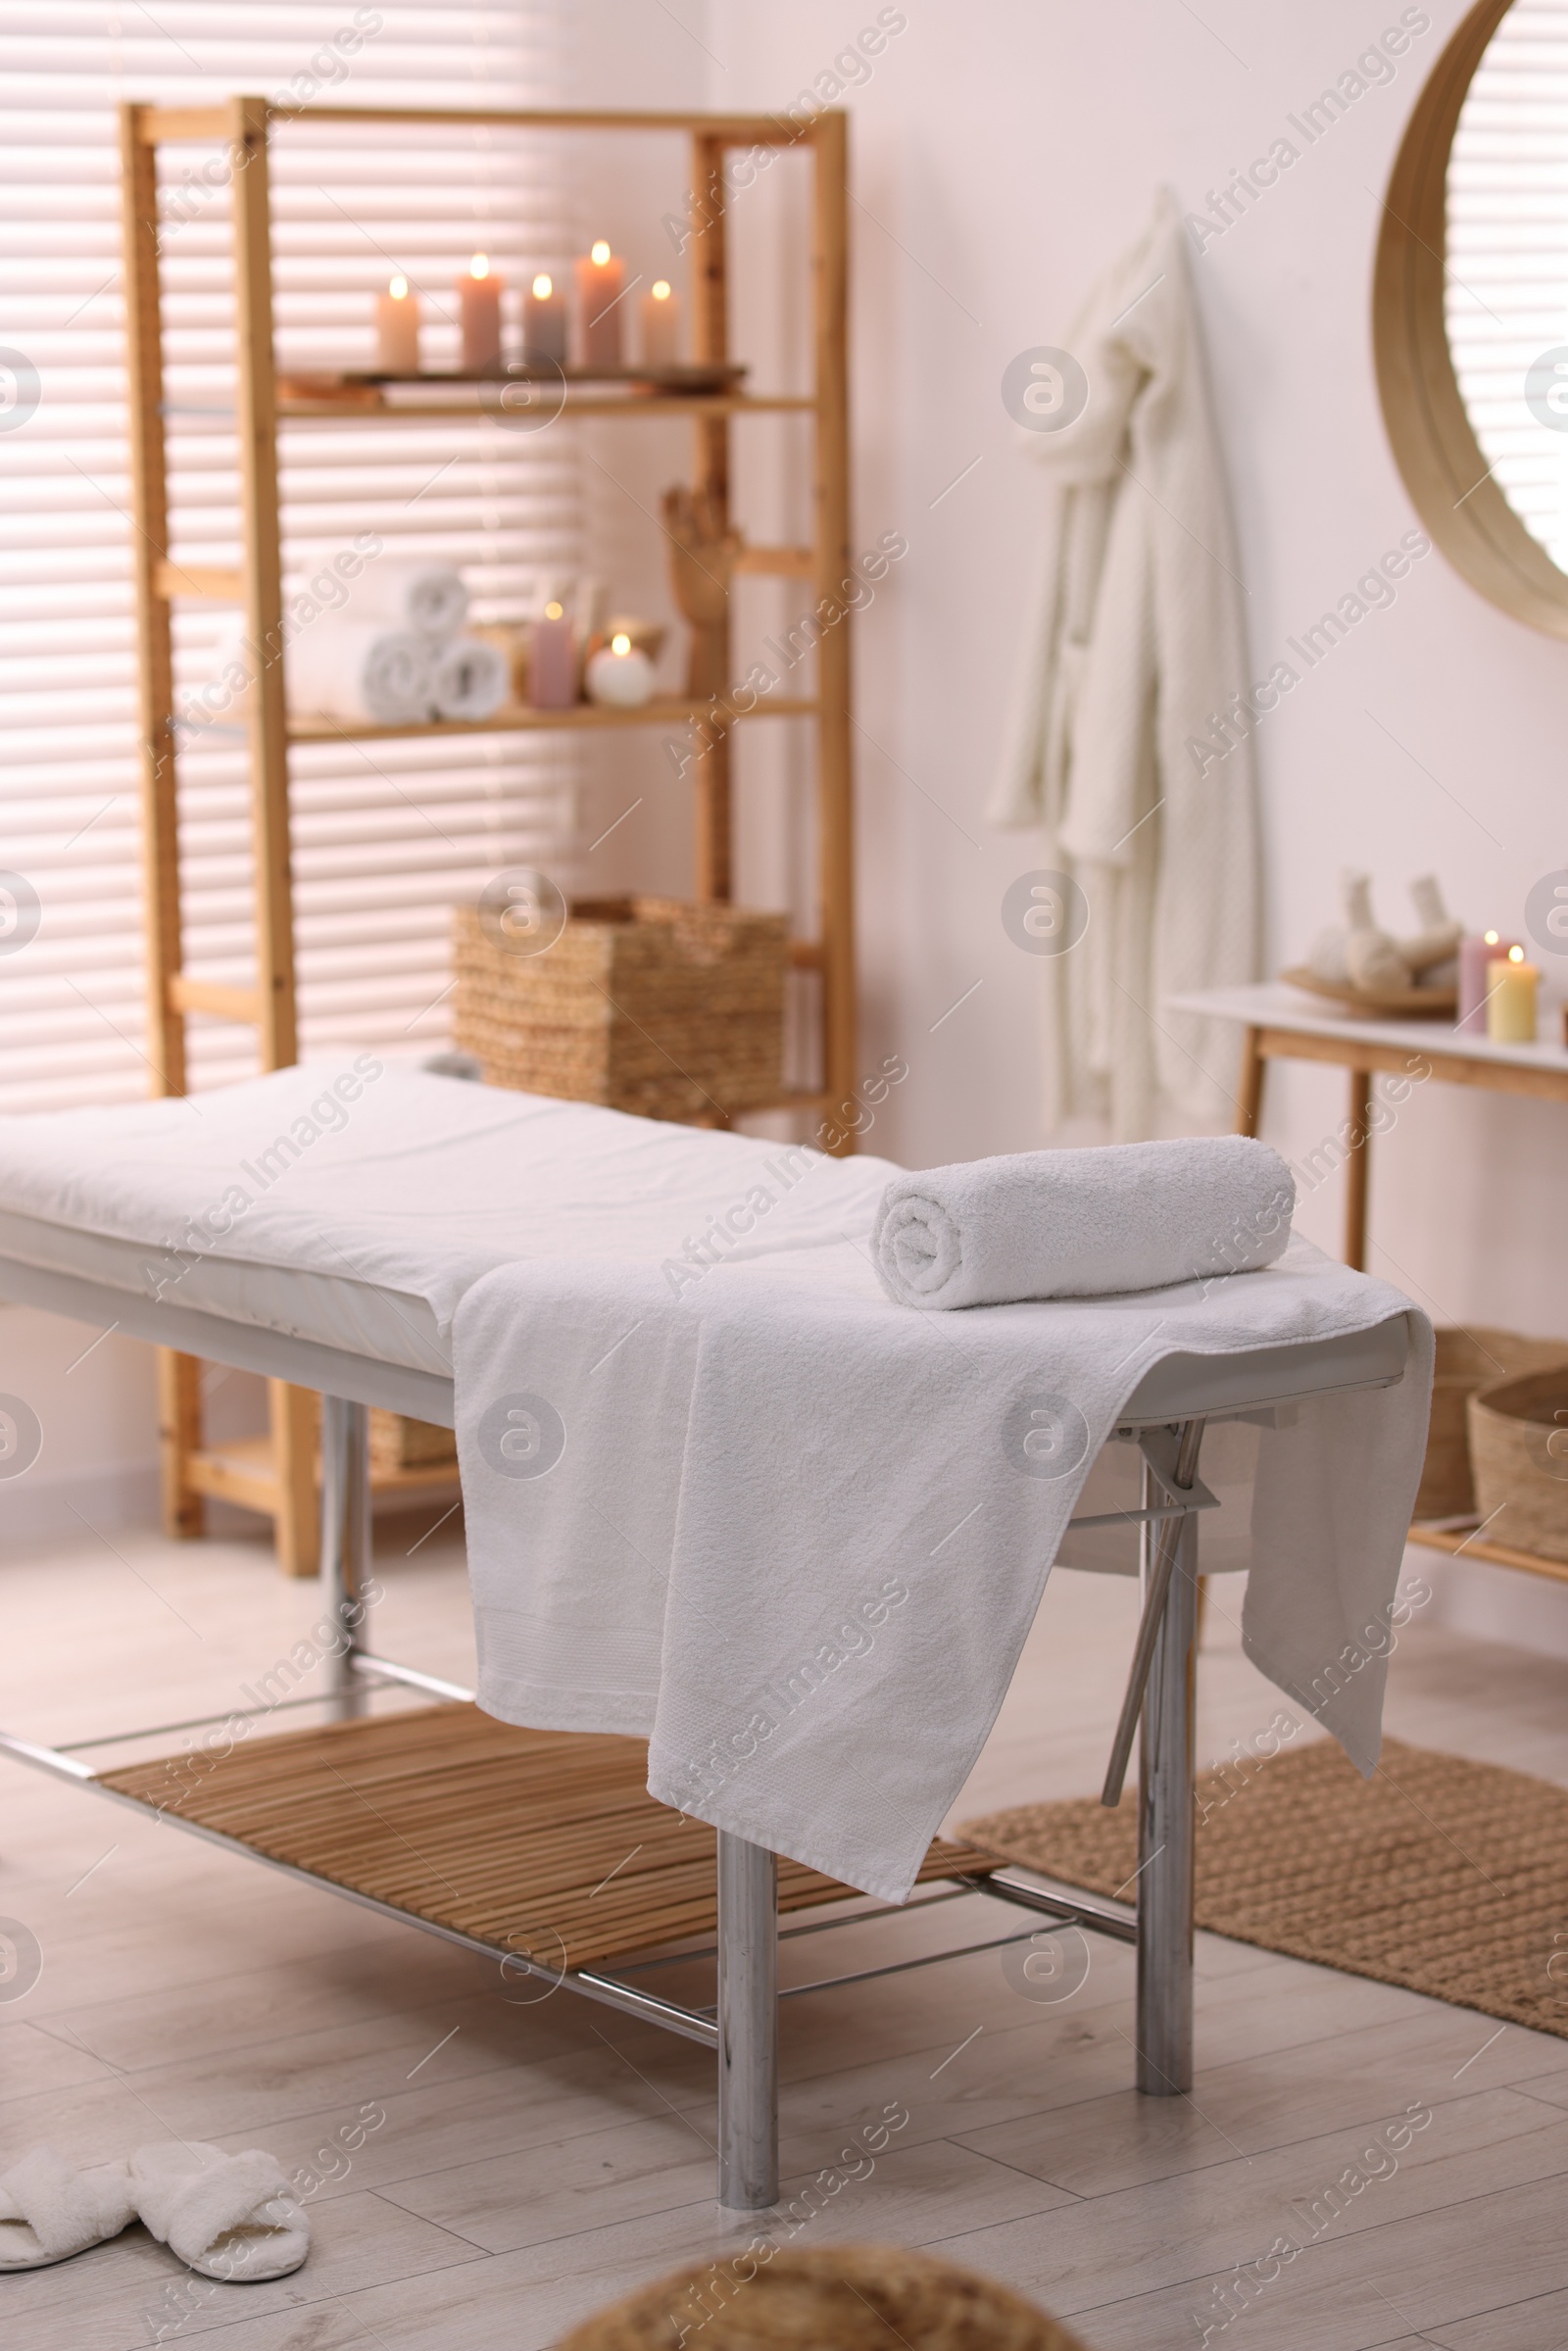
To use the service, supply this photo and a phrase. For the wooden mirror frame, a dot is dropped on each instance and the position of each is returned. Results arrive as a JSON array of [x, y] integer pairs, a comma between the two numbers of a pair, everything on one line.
[[1433, 442]]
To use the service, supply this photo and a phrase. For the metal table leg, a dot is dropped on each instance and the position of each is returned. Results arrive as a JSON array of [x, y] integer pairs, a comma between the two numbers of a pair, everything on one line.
[[748, 2024], [346, 1536], [1165, 1838]]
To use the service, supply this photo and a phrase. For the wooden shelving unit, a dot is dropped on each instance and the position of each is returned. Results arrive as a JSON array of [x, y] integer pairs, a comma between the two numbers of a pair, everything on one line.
[[277, 1475]]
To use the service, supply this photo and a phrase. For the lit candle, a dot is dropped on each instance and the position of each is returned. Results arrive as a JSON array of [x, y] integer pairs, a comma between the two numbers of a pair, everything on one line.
[[619, 677], [552, 660], [1512, 1000], [479, 313], [397, 330], [1474, 956], [660, 323], [544, 321], [601, 281]]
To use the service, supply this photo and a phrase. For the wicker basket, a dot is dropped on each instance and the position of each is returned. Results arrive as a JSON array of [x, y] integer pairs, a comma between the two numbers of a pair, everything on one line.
[[1519, 1446], [642, 1003], [398, 1443], [1466, 1361]]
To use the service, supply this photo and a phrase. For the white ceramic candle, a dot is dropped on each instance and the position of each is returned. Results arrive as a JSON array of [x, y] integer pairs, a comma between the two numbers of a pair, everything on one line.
[[479, 314], [544, 321], [397, 330], [660, 311], [620, 677], [601, 281], [1512, 1000]]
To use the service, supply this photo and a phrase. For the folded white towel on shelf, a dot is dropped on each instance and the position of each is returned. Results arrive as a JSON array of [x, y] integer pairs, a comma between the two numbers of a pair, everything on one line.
[[1082, 1223], [344, 667], [405, 592], [471, 679]]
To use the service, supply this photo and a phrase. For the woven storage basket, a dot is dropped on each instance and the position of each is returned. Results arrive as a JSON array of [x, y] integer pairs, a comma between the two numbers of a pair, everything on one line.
[[642, 1003], [1466, 1361], [398, 1443], [1519, 1450]]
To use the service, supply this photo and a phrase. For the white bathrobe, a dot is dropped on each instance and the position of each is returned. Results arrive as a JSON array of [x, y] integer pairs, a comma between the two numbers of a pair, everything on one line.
[[1134, 646]]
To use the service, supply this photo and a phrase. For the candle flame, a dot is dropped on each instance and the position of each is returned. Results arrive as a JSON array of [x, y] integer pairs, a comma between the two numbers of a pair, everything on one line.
[[543, 287], [599, 252], [662, 289], [479, 267], [398, 289], [620, 642], [554, 611], [1491, 938], [1516, 954]]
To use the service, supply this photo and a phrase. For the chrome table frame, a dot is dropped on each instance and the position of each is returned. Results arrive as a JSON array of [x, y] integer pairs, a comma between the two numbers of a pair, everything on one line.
[[1166, 1417]]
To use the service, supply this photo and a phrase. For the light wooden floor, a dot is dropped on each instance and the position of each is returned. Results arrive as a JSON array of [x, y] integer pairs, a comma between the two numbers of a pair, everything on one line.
[[537, 2159]]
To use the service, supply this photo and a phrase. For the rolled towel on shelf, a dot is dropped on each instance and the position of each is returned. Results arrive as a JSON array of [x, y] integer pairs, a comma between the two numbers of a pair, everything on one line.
[[1082, 1223], [471, 679], [358, 669], [428, 599]]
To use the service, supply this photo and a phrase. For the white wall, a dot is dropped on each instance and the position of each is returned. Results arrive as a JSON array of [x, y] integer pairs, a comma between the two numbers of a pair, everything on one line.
[[1002, 157]]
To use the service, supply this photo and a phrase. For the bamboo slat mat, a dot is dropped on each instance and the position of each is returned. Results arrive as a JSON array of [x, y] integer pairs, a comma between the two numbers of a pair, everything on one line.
[[1447, 1877], [543, 1842]]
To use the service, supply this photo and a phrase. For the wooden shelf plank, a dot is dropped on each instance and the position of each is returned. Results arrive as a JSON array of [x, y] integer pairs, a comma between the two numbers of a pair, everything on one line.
[[221, 584], [540, 1841], [747, 130], [663, 712], [1456, 1542], [242, 1471], [187, 995], [365, 411]]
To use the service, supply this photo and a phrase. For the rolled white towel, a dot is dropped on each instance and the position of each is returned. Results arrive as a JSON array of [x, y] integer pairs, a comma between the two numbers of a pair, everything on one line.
[[471, 679], [427, 598], [1082, 1223], [343, 666]]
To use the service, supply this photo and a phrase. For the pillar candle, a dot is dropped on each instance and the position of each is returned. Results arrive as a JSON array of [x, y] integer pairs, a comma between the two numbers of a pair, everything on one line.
[[544, 321], [1512, 1000], [600, 280], [552, 660], [397, 330], [660, 323], [1474, 956], [619, 677], [479, 314]]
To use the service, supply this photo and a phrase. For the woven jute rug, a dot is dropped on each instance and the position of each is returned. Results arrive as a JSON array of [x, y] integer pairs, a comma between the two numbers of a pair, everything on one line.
[[1447, 1877]]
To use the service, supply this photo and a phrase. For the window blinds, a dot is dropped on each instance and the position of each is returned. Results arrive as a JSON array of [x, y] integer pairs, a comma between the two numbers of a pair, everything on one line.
[[386, 834], [1507, 250]]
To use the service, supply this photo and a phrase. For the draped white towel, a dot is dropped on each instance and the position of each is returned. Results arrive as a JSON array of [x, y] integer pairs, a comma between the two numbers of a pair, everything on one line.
[[1082, 1223], [471, 679], [428, 599], [343, 666]]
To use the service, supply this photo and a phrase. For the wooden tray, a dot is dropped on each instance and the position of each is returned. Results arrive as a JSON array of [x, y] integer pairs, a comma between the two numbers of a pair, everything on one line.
[[344, 383], [1378, 1004]]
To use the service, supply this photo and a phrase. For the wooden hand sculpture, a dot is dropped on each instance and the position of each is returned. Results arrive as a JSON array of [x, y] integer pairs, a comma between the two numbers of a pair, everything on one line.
[[703, 553]]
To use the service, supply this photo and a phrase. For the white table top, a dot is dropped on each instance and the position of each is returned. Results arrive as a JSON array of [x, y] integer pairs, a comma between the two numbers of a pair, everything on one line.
[[1273, 1005]]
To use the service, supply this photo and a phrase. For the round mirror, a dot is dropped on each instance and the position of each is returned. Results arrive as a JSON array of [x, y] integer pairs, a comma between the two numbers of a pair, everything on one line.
[[1470, 307]]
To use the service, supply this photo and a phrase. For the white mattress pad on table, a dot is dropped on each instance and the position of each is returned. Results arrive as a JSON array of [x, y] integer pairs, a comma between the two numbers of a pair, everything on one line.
[[750, 1429], [360, 1223]]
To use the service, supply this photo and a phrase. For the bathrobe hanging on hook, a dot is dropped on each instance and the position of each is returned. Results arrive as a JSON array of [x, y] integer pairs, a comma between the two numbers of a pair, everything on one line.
[[1119, 746]]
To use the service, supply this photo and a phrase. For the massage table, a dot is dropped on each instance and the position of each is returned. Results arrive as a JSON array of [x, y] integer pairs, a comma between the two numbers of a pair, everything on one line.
[[357, 1347]]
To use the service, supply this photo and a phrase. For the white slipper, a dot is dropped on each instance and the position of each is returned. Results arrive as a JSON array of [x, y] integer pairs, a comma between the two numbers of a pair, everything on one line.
[[230, 2217], [50, 2210]]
